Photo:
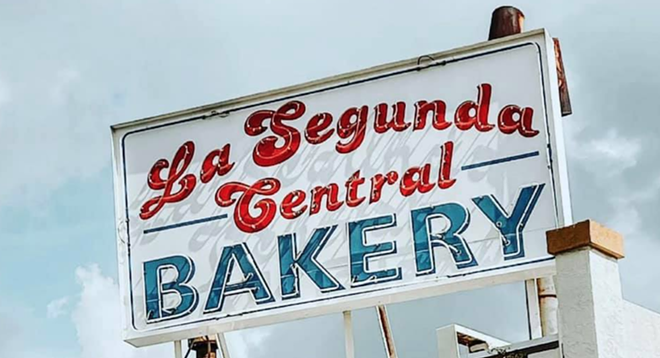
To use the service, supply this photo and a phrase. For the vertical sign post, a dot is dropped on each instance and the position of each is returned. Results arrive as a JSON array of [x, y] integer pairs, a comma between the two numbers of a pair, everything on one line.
[[542, 303], [348, 335]]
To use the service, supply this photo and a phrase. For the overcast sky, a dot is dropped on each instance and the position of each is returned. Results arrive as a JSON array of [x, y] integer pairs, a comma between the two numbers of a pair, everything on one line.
[[69, 69]]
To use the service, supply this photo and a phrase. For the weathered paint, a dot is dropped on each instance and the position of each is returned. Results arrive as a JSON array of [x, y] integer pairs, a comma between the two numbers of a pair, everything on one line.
[[174, 223]]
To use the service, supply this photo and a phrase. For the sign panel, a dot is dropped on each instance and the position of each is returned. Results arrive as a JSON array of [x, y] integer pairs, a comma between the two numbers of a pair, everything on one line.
[[403, 181]]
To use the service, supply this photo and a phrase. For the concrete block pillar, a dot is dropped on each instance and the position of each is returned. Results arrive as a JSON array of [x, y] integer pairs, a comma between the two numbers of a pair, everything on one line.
[[591, 322]]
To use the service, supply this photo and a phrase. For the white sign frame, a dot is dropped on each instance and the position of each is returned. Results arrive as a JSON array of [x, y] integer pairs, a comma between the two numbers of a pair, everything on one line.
[[538, 38]]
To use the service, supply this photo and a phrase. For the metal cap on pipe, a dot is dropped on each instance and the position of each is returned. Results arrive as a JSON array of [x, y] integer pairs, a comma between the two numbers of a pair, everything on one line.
[[506, 21]]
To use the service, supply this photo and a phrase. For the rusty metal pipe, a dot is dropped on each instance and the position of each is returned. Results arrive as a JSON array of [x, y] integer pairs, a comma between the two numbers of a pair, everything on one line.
[[564, 97], [548, 305], [506, 21], [388, 337]]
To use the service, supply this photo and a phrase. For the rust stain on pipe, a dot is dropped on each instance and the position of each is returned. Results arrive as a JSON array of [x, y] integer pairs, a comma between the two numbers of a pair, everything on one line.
[[564, 97], [387, 331]]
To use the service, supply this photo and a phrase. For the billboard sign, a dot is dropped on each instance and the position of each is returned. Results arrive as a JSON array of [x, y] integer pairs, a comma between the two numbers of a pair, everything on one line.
[[407, 180]]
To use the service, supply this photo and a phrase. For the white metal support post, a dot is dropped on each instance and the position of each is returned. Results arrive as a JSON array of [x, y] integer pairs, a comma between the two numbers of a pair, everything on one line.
[[222, 344], [533, 309], [178, 350], [348, 335]]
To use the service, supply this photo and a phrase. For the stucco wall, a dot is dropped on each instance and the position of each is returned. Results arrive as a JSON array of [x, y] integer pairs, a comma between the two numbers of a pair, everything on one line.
[[642, 331]]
